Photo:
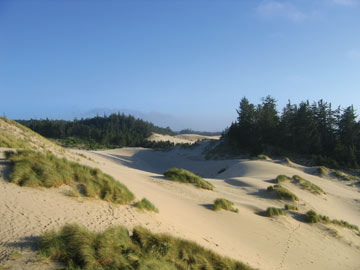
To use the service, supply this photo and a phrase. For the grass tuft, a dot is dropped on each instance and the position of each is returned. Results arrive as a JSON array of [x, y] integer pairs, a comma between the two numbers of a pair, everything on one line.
[[9, 141], [283, 193], [272, 211], [305, 184], [34, 169], [322, 171], [291, 207], [224, 204], [114, 248], [263, 157], [185, 176], [282, 178], [313, 217], [145, 204]]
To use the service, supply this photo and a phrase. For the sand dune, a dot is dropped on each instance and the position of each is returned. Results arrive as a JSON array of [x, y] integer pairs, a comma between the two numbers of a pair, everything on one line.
[[266, 243], [181, 138]]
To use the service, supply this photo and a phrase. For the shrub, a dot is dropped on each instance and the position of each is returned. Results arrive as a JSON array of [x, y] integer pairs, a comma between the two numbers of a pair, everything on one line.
[[114, 248], [283, 193], [145, 204], [34, 169], [305, 184], [185, 176], [272, 211], [224, 204], [282, 178], [291, 207]]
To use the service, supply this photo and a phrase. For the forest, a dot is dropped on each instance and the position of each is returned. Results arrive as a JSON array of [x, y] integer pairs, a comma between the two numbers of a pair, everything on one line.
[[327, 136], [115, 130]]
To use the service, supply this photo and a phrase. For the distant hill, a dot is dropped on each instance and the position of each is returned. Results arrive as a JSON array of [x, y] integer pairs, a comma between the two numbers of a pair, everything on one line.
[[115, 130], [203, 133]]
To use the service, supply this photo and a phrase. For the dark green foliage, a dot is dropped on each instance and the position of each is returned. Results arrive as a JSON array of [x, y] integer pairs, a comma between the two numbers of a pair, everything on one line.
[[34, 169], [283, 193], [272, 211], [185, 176], [115, 130], [145, 204], [114, 249], [305, 184], [329, 137], [224, 204], [291, 207], [282, 178]]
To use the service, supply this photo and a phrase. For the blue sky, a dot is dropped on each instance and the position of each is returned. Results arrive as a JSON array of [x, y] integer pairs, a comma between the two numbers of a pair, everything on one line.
[[183, 64]]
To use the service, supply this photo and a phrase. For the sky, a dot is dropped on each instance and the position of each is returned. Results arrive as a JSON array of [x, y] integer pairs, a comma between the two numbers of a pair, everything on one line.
[[183, 64]]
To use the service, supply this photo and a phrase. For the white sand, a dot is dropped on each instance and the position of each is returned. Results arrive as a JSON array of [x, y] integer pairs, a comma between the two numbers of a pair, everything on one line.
[[265, 243], [182, 138]]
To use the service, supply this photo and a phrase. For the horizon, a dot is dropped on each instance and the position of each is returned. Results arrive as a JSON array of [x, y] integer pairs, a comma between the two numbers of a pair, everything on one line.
[[184, 64]]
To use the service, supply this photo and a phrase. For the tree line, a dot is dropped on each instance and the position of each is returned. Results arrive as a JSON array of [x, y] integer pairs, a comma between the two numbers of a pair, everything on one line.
[[115, 130], [331, 137]]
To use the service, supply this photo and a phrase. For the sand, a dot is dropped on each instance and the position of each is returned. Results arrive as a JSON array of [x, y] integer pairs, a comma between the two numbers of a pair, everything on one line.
[[181, 138], [266, 243]]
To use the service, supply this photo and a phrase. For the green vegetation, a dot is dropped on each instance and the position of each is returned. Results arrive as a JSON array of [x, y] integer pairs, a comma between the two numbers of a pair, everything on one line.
[[305, 184], [34, 169], [263, 157], [185, 176], [291, 207], [224, 204], [322, 171], [287, 160], [282, 178], [145, 204], [272, 211], [283, 193], [9, 141], [114, 248], [115, 130], [313, 217], [316, 132]]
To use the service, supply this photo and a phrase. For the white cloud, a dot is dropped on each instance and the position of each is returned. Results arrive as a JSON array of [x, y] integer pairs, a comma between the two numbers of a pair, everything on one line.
[[346, 2], [272, 9], [353, 54]]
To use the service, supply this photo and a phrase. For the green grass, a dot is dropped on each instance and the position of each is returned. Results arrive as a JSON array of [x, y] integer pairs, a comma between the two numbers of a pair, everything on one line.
[[272, 211], [145, 204], [78, 248], [283, 193], [282, 178], [263, 157], [313, 217], [224, 204], [9, 141], [185, 176], [322, 171], [34, 169], [291, 207], [307, 185]]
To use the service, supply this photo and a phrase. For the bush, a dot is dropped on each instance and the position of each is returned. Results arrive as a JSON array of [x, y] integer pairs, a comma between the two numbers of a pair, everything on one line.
[[145, 204], [272, 211], [282, 178], [34, 169], [291, 207], [224, 204], [283, 193], [305, 184], [114, 249], [185, 176]]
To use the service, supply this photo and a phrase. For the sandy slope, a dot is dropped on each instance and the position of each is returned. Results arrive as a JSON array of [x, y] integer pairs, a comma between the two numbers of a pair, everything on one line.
[[266, 243], [182, 138]]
